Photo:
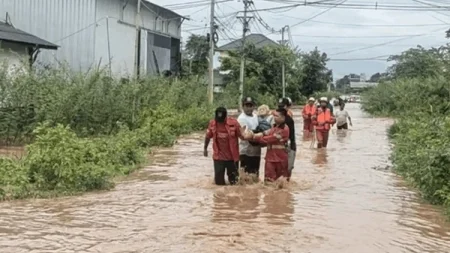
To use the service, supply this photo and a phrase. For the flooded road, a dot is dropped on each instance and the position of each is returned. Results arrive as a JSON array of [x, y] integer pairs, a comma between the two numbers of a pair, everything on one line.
[[342, 200]]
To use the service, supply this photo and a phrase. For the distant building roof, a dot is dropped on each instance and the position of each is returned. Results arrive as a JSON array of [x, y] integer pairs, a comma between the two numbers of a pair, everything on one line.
[[160, 8], [256, 39], [11, 34], [360, 85]]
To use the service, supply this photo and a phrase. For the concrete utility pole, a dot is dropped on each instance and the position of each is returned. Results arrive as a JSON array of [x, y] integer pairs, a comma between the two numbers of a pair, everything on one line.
[[283, 78], [211, 55], [136, 55], [245, 21]]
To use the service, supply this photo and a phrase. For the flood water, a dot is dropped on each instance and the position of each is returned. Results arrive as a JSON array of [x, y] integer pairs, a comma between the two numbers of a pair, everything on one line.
[[342, 200]]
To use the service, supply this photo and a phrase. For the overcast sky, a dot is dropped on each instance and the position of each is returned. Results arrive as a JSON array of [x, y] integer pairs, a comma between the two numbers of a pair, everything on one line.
[[366, 33]]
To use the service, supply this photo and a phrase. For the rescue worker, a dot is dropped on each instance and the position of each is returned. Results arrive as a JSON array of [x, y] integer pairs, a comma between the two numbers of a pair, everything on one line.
[[292, 144], [225, 132], [250, 155], [322, 120], [276, 164], [341, 118], [308, 111]]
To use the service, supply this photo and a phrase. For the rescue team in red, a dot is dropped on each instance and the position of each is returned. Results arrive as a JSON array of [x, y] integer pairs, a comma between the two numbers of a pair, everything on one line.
[[279, 140]]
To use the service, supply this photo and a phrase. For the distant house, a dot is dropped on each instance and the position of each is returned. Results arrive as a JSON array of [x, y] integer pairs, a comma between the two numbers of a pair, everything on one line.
[[356, 86], [258, 40], [17, 45], [94, 33]]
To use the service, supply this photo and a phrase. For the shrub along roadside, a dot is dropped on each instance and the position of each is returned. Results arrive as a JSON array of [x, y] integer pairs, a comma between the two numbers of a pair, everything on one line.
[[421, 134], [59, 162], [85, 129]]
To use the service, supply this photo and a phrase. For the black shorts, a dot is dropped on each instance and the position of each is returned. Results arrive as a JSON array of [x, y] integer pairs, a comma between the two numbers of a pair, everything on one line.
[[345, 126], [250, 163]]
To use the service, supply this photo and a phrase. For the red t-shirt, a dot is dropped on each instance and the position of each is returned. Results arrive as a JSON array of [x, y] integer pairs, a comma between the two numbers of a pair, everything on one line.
[[223, 143]]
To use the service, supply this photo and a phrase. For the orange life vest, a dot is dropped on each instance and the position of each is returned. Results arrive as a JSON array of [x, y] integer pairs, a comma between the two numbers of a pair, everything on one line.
[[309, 110], [323, 117]]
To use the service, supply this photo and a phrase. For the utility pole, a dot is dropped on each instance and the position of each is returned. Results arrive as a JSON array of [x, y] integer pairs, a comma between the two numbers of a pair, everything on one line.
[[137, 19], [283, 78], [245, 21], [211, 55]]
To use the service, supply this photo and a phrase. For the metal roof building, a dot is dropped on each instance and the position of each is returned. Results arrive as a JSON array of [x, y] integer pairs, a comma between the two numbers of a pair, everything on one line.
[[102, 33], [259, 40]]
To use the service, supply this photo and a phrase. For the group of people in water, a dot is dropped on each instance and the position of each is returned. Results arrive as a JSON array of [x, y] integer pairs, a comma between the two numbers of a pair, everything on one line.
[[237, 143]]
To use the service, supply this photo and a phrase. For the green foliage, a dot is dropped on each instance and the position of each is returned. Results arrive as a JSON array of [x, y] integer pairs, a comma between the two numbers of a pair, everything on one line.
[[418, 63], [195, 54], [421, 133], [88, 129], [305, 73]]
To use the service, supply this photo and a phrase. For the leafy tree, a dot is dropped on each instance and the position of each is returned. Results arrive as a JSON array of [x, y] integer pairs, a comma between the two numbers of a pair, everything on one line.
[[196, 55], [316, 74], [305, 73], [417, 63]]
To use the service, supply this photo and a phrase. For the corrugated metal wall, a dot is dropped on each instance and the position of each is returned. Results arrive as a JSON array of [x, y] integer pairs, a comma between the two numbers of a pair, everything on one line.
[[68, 23]]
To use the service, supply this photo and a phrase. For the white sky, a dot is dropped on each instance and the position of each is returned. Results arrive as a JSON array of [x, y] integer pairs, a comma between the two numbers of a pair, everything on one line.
[[335, 32]]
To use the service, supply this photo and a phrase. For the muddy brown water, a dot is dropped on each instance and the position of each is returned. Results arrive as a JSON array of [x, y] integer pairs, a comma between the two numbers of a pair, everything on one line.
[[341, 201]]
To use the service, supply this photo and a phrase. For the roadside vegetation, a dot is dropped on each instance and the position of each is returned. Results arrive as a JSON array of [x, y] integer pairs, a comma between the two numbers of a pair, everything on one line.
[[416, 92], [81, 130]]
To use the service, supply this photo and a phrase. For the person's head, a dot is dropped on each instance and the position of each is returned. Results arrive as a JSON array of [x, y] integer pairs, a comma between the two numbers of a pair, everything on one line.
[[248, 105], [311, 101], [263, 110], [342, 106], [289, 102], [221, 114], [323, 102], [283, 103], [279, 115]]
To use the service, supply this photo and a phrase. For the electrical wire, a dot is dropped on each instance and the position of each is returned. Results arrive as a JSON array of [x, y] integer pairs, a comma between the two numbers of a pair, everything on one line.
[[382, 44], [318, 14]]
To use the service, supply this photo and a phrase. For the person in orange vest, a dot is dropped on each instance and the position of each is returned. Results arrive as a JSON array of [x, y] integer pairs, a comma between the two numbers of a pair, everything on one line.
[[323, 120], [308, 111], [225, 132], [277, 164]]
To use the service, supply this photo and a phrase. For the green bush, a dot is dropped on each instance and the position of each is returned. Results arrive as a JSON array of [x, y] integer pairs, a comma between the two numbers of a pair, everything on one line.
[[86, 129], [421, 133]]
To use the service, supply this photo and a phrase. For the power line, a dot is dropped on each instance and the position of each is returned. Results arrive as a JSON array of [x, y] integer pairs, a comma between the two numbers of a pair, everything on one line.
[[382, 44], [318, 14], [357, 37]]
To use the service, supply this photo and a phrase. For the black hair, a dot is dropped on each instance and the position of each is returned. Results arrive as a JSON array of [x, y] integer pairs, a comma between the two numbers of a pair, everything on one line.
[[220, 114], [282, 111]]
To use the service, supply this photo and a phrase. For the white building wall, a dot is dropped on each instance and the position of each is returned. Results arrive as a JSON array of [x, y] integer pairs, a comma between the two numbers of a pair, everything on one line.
[[79, 27], [69, 24]]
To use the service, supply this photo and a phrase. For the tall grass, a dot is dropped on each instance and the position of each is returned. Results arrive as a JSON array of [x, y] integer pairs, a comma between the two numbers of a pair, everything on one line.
[[421, 133]]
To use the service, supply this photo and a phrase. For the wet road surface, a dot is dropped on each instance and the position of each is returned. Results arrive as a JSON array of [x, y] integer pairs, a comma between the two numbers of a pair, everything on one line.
[[342, 200]]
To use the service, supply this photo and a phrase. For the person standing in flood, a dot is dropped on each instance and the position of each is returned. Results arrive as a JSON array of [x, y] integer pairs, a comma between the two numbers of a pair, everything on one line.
[[308, 111], [292, 144], [225, 132], [322, 120], [276, 164], [250, 155], [341, 118]]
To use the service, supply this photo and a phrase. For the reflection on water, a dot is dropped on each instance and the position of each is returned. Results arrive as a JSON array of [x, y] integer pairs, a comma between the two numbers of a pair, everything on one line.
[[173, 206]]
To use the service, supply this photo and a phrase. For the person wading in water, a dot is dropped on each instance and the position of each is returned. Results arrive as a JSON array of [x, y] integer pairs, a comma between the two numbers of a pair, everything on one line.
[[341, 118], [225, 132], [250, 154], [285, 103], [322, 120], [308, 111], [276, 164]]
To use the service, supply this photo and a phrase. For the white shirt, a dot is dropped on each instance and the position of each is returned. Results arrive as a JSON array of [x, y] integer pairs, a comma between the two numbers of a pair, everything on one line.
[[245, 148], [341, 117]]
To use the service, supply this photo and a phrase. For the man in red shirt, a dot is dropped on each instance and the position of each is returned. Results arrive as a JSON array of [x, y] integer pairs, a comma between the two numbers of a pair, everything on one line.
[[225, 132], [276, 138]]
